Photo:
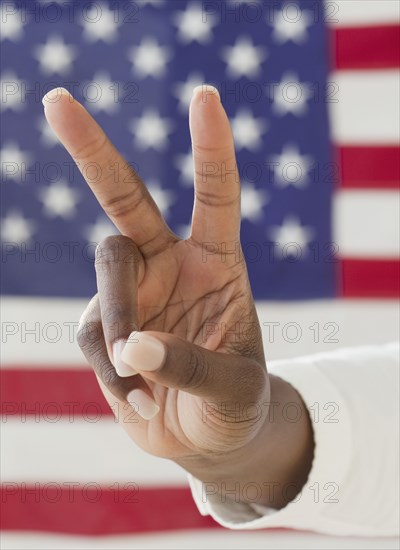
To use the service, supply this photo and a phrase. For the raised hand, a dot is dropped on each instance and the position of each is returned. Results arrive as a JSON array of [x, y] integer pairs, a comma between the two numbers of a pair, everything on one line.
[[180, 313]]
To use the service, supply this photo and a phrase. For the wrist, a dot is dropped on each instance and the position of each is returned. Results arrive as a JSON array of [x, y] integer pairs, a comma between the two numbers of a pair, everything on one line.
[[273, 466]]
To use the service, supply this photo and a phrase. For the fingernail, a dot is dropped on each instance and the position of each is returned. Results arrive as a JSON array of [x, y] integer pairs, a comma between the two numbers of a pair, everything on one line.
[[143, 352], [54, 95], [143, 404], [122, 368], [206, 90]]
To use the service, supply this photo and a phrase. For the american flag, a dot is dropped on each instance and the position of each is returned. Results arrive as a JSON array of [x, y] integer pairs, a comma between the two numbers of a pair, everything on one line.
[[311, 89]]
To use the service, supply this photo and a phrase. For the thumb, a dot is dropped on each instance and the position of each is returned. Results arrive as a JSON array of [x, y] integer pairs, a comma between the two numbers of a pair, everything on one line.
[[173, 362]]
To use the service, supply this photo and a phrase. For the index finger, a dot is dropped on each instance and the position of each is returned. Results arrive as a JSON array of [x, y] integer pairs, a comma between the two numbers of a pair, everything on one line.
[[117, 187]]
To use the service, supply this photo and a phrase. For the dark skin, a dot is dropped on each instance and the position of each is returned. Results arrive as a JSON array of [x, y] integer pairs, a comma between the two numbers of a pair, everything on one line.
[[221, 415]]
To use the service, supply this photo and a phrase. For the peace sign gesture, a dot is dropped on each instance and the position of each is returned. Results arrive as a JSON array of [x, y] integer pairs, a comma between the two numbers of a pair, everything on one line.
[[173, 330]]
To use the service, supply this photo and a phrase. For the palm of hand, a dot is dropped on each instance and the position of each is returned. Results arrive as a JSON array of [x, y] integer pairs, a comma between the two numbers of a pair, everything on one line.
[[203, 297]]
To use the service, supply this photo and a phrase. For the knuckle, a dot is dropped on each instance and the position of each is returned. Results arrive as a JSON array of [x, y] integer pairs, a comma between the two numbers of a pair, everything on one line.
[[224, 153], [216, 199], [84, 334], [92, 148], [124, 204], [197, 371], [116, 321], [88, 338], [81, 337], [116, 248], [108, 375], [99, 360]]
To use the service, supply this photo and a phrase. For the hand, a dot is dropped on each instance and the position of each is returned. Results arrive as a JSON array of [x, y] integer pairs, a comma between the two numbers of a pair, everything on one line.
[[180, 312]]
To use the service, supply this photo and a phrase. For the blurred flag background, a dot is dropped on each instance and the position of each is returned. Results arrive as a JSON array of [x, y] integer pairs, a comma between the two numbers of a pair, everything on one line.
[[312, 90]]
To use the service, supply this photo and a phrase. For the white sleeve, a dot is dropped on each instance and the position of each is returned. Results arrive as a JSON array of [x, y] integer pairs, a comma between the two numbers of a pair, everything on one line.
[[352, 396]]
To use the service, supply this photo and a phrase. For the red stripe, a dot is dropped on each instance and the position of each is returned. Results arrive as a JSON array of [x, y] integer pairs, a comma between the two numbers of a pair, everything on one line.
[[92, 510], [376, 47], [53, 392], [365, 278], [370, 167]]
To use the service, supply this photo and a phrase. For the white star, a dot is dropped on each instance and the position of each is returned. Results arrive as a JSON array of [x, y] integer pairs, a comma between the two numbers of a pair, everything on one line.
[[290, 95], [55, 57], [149, 59], [14, 162], [150, 130], [243, 59], [15, 228], [99, 230], [47, 137], [184, 163], [162, 197], [100, 23], [247, 130], [290, 167], [12, 92], [184, 90], [290, 23], [194, 25], [12, 22], [59, 200], [292, 232], [252, 201], [102, 94]]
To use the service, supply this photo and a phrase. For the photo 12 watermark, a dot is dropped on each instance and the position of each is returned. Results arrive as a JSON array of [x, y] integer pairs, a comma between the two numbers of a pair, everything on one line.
[[269, 491]]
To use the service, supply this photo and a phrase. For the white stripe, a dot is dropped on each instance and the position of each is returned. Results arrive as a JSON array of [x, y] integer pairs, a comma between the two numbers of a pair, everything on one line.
[[367, 107], [41, 331], [366, 223], [326, 325], [38, 450], [352, 317], [357, 13], [196, 540]]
